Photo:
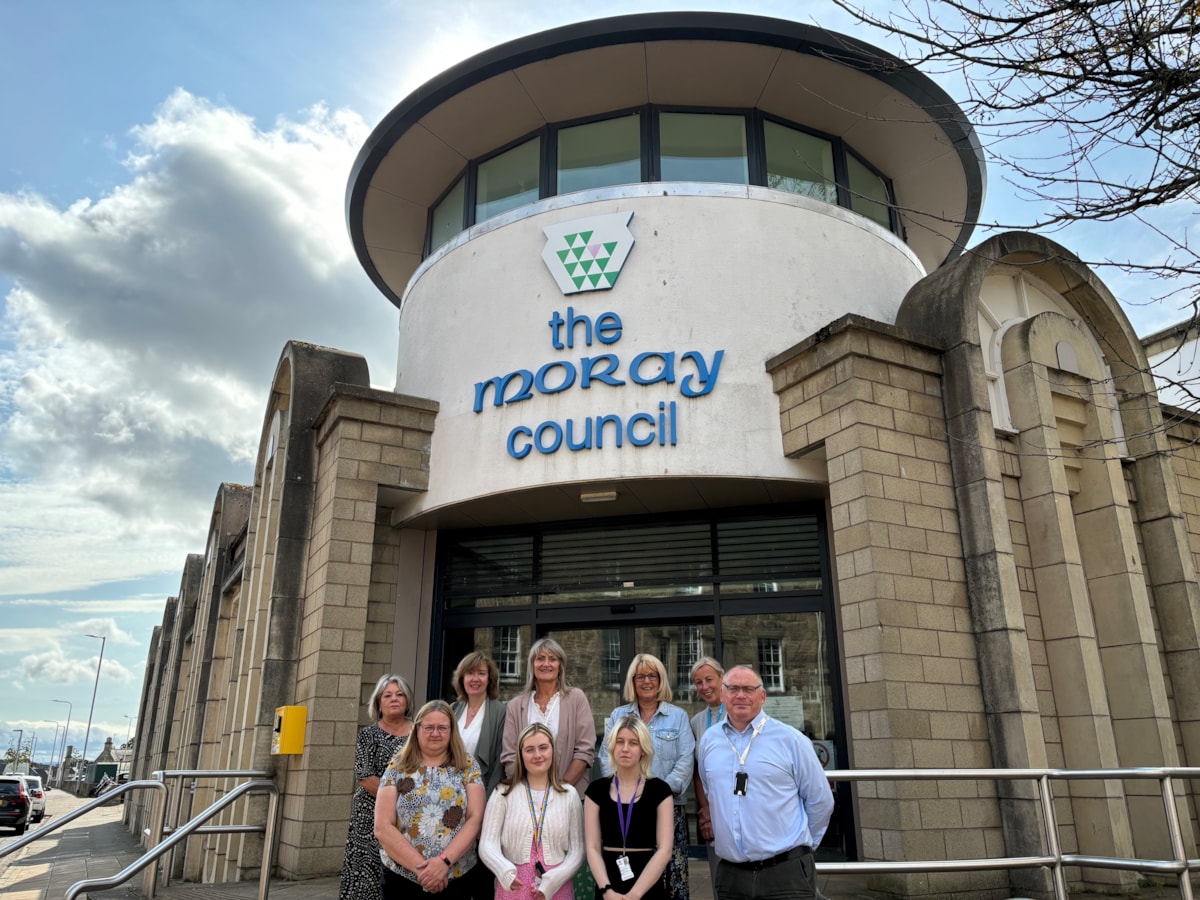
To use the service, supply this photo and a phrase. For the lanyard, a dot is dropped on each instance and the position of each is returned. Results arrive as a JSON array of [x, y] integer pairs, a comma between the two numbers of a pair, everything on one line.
[[742, 759], [537, 820], [720, 715], [625, 822]]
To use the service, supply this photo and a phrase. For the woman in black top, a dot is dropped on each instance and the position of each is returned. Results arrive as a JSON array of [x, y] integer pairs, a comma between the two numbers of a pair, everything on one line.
[[628, 819]]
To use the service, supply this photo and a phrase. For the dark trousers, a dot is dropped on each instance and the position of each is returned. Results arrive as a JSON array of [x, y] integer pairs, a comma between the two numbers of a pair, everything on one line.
[[397, 887], [792, 879]]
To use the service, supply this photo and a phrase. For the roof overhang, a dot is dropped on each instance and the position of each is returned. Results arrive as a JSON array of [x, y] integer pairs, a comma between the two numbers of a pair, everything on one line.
[[887, 111]]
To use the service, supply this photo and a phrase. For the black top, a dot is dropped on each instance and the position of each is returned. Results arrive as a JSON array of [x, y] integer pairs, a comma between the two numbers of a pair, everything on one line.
[[643, 831]]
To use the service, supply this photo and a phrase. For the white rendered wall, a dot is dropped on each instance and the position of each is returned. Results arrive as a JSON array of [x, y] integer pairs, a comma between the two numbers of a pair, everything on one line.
[[743, 270]]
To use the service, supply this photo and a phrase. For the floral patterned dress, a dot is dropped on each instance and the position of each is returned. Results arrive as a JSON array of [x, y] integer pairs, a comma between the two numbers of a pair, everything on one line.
[[431, 806], [360, 865]]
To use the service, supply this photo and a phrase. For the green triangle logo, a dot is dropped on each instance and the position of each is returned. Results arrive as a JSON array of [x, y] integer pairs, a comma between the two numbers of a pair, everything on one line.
[[578, 281], [562, 254], [578, 251], [570, 238], [611, 278], [586, 235], [610, 247], [570, 267], [602, 263], [586, 265], [594, 279]]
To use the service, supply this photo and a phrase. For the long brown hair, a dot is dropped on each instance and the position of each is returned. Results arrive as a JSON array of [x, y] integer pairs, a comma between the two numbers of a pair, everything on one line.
[[518, 774], [408, 760]]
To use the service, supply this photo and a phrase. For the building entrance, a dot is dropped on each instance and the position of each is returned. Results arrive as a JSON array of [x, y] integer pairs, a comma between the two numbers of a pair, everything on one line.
[[744, 587]]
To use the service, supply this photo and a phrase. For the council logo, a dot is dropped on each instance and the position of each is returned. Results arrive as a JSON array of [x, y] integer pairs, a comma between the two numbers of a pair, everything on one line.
[[587, 254]]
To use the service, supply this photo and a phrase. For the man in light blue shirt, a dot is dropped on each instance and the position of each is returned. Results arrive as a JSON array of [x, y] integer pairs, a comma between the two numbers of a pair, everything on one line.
[[768, 796]]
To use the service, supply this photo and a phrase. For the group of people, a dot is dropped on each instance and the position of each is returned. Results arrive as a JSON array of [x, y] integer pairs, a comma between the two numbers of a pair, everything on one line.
[[482, 799]]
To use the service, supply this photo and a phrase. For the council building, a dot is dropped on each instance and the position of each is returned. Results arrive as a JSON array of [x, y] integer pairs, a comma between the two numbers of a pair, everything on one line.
[[697, 356]]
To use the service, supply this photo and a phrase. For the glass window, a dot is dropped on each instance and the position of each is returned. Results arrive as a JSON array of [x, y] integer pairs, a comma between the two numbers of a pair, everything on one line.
[[508, 654], [508, 180], [770, 663], [868, 192], [448, 216], [799, 163], [600, 154], [703, 147]]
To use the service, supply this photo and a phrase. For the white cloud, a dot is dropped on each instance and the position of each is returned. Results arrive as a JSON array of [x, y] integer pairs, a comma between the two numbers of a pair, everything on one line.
[[58, 667], [142, 604], [138, 346]]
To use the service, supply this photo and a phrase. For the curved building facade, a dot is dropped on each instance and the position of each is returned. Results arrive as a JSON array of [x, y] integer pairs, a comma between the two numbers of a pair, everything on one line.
[[693, 361]]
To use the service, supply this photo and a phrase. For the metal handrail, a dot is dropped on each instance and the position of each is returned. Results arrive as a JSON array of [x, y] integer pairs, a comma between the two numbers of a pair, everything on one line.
[[74, 814], [1054, 858], [158, 824], [185, 831]]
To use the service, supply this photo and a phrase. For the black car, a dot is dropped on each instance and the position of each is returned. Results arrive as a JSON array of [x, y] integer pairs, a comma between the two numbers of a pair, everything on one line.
[[14, 803]]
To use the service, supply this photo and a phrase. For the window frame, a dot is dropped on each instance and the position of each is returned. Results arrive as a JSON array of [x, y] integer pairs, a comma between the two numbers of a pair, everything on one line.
[[651, 160]]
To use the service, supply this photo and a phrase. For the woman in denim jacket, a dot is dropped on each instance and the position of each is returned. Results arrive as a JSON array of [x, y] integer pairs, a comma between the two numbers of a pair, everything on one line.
[[648, 691]]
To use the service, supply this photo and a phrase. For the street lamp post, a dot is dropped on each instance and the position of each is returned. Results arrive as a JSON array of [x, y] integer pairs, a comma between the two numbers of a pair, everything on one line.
[[53, 751], [129, 730], [20, 737], [88, 733], [63, 758]]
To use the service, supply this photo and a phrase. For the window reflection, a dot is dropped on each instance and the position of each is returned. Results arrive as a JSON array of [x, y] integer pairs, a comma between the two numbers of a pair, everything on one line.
[[508, 180], [799, 163], [599, 154], [703, 147]]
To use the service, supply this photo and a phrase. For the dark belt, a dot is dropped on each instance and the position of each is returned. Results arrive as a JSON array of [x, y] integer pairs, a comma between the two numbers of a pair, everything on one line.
[[755, 864]]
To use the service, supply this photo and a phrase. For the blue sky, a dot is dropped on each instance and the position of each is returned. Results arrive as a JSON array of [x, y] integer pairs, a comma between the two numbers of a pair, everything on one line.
[[172, 178]]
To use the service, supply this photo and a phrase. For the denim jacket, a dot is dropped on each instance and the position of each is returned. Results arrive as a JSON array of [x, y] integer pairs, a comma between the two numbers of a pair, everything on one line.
[[674, 745]]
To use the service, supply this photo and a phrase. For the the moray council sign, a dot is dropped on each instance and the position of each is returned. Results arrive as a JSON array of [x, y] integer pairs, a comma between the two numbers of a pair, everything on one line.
[[587, 254]]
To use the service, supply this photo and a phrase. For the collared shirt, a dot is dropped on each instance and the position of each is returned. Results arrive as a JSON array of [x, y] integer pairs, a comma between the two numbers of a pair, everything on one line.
[[788, 801], [674, 745]]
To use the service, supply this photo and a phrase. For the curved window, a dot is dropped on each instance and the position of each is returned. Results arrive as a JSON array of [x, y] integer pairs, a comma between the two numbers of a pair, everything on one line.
[[507, 180], [600, 154], [799, 162], [703, 147], [632, 146]]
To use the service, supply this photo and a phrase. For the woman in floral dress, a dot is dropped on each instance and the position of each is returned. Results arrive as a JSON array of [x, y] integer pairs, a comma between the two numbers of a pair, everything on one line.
[[429, 812], [390, 706]]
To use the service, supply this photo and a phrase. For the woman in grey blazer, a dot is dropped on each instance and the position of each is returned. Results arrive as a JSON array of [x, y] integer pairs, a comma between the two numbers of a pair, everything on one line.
[[480, 715]]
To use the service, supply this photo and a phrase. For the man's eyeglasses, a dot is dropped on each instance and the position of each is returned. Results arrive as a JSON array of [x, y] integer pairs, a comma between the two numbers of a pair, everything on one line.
[[436, 729], [742, 689], [646, 676]]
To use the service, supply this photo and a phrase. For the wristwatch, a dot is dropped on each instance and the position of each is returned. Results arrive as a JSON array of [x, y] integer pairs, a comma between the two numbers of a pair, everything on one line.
[[605, 889], [444, 858]]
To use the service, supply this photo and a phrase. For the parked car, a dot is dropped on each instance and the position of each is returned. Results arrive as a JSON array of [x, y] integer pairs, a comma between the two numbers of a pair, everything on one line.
[[14, 803], [37, 797]]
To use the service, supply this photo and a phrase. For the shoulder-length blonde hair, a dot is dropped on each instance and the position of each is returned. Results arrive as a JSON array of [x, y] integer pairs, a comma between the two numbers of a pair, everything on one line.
[[471, 661], [706, 661], [641, 732], [376, 695], [647, 661], [554, 648], [518, 774], [408, 760]]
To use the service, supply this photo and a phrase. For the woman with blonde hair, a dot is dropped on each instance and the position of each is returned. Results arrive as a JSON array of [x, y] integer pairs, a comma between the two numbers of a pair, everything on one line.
[[390, 708], [706, 679], [533, 828], [628, 818], [565, 710], [429, 811], [674, 759]]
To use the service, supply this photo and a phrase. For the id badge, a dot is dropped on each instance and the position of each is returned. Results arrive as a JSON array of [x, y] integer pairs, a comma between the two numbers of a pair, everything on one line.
[[739, 783], [625, 868]]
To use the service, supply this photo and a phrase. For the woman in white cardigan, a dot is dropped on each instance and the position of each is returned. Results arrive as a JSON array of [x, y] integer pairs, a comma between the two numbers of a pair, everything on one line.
[[532, 836]]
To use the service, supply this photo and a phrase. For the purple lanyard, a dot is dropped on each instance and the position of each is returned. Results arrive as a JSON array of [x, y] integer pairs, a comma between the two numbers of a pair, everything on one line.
[[625, 822]]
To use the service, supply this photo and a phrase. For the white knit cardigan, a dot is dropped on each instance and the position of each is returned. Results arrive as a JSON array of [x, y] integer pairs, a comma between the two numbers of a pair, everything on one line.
[[507, 836]]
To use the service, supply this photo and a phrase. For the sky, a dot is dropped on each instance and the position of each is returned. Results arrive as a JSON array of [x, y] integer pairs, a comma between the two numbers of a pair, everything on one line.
[[172, 184]]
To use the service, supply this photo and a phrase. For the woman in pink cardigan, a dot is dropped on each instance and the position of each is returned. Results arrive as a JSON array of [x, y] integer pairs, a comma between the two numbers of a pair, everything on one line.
[[563, 709]]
